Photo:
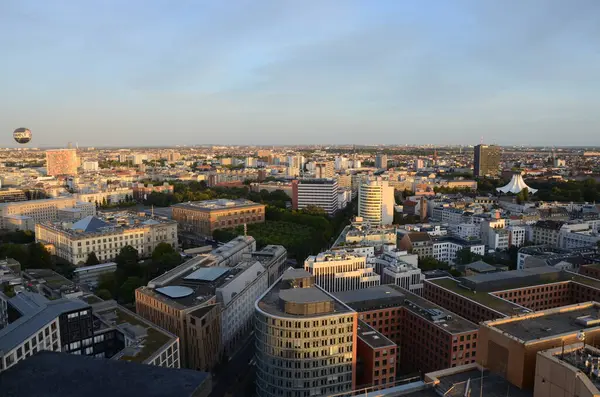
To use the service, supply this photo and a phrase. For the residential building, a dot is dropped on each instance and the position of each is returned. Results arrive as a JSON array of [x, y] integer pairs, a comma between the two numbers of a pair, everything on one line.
[[445, 248], [106, 237], [61, 162], [341, 271], [516, 236], [204, 217], [90, 166], [106, 197], [486, 160], [321, 193], [376, 201], [399, 268], [38, 211], [429, 337], [510, 346], [547, 232], [324, 169], [376, 357], [498, 239], [52, 374], [381, 161], [419, 243], [141, 191], [578, 235], [468, 230], [300, 317]]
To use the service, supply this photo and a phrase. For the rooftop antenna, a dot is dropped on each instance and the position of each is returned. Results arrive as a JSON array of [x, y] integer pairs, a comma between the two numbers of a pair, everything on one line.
[[245, 230], [153, 211], [481, 140]]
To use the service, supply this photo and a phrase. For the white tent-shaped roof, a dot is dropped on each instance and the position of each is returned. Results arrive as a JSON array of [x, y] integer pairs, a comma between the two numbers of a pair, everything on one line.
[[515, 185]]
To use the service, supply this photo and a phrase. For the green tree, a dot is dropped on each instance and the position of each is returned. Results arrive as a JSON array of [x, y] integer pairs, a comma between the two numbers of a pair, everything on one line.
[[162, 249], [465, 256], [107, 282], [430, 263], [92, 259], [39, 257], [127, 289], [104, 294]]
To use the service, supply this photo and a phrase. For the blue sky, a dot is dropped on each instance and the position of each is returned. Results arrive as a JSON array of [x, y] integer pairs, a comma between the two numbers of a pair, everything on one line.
[[160, 72]]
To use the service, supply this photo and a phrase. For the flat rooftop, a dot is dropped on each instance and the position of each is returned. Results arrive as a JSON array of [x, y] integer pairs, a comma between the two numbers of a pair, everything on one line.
[[484, 298], [218, 204], [53, 280], [69, 375], [387, 296], [371, 337], [271, 301], [149, 338], [550, 323], [454, 384], [577, 356]]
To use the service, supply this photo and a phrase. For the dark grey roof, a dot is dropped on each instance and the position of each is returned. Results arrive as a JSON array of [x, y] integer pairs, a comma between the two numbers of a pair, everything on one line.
[[89, 224], [66, 375], [27, 325]]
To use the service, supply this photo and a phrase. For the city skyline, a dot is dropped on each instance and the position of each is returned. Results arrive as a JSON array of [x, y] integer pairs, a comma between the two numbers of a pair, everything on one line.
[[283, 73]]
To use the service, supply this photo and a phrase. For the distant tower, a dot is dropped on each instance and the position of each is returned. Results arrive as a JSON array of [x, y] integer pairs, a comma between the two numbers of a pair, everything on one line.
[[434, 156]]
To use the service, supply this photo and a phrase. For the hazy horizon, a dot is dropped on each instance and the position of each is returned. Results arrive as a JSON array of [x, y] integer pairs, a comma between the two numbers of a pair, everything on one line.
[[159, 73]]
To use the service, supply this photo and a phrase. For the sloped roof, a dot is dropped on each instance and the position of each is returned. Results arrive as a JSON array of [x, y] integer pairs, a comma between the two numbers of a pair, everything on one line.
[[515, 185], [89, 224]]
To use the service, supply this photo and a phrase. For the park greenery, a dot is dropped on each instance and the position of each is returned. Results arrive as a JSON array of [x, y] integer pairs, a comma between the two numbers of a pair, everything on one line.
[[132, 273]]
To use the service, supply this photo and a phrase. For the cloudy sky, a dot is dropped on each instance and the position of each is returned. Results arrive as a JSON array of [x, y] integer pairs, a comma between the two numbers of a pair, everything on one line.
[[163, 72]]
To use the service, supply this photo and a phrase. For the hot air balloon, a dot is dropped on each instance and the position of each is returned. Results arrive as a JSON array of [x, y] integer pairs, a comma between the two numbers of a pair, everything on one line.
[[22, 135]]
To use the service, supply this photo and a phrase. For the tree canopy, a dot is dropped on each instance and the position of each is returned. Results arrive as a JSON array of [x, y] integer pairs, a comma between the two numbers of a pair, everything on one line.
[[92, 259]]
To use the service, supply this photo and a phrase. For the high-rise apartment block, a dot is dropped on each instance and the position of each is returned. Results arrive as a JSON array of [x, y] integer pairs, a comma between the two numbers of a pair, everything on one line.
[[341, 271], [381, 161], [376, 201], [324, 169], [321, 193], [486, 160], [305, 340], [204, 217], [62, 162]]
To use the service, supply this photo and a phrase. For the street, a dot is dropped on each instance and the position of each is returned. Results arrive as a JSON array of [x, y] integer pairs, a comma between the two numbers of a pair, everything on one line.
[[236, 377]]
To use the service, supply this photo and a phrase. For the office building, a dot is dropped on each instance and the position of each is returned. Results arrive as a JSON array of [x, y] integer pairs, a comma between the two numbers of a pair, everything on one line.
[[517, 235], [381, 161], [90, 275], [445, 248], [141, 191], [273, 258], [503, 294], [12, 195], [59, 325], [61, 162], [376, 201], [376, 357], [74, 242], [305, 340], [204, 217], [486, 161], [324, 169], [208, 300], [24, 215], [106, 197], [419, 243], [400, 270], [321, 193], [510, 346], [52, 374], [429, 338], [341, 271], [50, 284]]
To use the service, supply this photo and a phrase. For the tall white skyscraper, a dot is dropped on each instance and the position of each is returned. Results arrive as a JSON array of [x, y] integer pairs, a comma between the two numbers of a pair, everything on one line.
[[376, 201]]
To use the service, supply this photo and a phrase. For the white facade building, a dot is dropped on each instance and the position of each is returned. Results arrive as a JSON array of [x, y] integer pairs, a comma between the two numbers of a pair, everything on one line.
[[36, 211], [322, 193], [498, 239], [90, 275], [376, 202], [517, 236], [468, 230], [74, 242], [341, 271], [445, 249], [237, 296], [577, 235], [90, 166]]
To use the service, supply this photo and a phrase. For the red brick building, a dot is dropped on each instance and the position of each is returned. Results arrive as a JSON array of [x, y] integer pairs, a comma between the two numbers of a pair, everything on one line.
[[504, 294], [376, 357], [429, 338]]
